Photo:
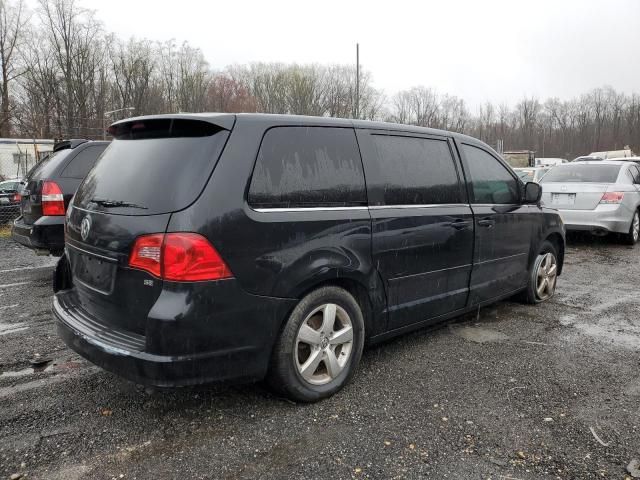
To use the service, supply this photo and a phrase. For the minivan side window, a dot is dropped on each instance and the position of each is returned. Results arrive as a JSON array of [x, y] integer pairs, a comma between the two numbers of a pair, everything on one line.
[[308, 167], [84, 161], [414, 171], [491, 182]]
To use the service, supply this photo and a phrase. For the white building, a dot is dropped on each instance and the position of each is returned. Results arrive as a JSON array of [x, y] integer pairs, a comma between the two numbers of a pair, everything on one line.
[[18, 155]]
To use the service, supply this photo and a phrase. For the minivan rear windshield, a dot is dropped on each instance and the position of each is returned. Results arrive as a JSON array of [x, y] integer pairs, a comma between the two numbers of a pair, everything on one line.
[[152, 167], [596, 173]]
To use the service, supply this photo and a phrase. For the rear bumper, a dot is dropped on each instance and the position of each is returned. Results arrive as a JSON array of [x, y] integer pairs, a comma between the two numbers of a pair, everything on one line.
[[46, 233], [610, 218], [240, 354]]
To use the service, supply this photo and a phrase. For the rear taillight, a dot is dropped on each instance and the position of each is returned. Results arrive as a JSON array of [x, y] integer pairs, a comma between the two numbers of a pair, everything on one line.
[[146, 253], [17, 197], [52, 199], [179, 257], [612, 197]]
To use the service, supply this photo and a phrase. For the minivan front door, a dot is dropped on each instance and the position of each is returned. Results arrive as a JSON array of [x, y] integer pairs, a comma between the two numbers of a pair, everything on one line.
[[503, 226], [422, 225]]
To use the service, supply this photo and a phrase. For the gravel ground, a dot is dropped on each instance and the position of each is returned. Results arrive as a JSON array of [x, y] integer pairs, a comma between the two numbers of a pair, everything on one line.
[[515, 392]]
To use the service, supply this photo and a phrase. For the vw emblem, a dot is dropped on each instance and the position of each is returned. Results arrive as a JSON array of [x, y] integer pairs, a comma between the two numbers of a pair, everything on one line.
[[85, 226], [563, 188]]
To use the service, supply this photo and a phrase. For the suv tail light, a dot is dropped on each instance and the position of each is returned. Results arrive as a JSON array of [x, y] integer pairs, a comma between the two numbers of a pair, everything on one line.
[[180, 257], [612, 197], [52, 199], [17, 197]]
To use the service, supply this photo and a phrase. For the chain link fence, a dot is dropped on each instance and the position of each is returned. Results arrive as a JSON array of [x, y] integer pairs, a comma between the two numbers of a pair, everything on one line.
[[17, 158]]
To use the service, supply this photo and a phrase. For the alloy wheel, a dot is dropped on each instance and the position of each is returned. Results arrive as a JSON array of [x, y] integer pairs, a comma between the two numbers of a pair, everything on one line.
[[546, 276], [323, 344], [635, 228]]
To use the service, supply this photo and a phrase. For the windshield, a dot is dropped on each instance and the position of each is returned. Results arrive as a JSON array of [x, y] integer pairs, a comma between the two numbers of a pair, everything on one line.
[[582, 173], [9, 185], [149, 170]]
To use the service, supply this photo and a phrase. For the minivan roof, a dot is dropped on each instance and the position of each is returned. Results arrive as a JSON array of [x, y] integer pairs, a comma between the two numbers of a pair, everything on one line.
[[226, 121]]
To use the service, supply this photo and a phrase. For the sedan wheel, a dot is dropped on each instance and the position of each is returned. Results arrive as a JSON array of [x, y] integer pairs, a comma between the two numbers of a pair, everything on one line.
[[547, 274]]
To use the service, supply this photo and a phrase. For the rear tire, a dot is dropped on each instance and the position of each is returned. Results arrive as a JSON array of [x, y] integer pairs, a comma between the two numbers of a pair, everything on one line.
[[319, 347], [543, 275], [631, 238]]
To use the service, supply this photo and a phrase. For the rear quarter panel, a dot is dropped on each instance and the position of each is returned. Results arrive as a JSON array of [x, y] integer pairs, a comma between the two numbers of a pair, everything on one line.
[[278, 254]]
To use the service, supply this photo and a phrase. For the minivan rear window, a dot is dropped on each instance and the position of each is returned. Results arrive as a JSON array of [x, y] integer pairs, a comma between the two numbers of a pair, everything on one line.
[[589, 173], [153, 167]]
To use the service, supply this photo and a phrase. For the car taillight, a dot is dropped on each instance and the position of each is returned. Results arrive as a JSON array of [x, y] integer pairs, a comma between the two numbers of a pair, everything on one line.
[[17, 197], [146, 253], [179, 257], [52, 199], [612, 197]]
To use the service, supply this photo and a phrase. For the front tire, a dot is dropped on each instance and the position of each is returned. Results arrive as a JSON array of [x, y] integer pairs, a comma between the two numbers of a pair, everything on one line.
[[543, 275], [319, 347], [631, 238]]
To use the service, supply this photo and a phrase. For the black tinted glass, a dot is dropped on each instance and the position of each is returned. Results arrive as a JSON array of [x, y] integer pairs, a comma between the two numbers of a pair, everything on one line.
[[491, 182], [308, 167], [414, 171], [150, 176], [47, 167], [80, 165], [590, 173]]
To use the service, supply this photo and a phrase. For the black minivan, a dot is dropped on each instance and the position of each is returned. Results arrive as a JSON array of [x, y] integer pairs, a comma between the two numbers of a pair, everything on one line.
[[219, 247]]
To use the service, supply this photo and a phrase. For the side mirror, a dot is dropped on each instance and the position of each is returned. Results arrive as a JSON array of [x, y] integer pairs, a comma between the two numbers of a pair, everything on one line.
[[532, 193]]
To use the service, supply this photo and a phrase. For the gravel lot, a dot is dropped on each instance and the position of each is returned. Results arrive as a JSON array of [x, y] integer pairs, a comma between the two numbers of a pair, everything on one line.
[[516, 392]]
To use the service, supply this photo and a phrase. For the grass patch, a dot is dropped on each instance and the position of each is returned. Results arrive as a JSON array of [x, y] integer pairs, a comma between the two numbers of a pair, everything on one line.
[[5, 231]]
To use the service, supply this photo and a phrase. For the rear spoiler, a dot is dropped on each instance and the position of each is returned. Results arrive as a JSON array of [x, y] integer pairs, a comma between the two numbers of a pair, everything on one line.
[[72, 143], [224, 121]]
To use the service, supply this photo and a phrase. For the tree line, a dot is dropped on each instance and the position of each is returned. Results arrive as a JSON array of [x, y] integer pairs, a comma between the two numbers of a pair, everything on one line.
[[63, 75]]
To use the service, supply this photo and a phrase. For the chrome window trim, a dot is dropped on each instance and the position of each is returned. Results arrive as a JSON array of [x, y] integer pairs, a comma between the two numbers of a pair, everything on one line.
[[306, 209], [361, 208], [426, 205]]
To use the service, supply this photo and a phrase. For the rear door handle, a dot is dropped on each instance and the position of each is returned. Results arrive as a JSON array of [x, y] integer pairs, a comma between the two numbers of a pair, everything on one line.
[[486, 222], [459, 224]]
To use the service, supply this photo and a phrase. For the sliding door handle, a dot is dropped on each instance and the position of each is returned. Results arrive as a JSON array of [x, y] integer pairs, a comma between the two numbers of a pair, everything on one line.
[[459, 224], [487, 222]]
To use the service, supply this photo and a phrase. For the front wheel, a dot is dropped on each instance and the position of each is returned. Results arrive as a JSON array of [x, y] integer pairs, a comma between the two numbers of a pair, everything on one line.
[[543, 275], [320, 346], [631, 238]]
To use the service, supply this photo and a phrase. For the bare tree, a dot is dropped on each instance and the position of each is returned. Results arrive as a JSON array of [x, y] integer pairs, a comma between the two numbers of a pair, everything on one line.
[[12, 25]]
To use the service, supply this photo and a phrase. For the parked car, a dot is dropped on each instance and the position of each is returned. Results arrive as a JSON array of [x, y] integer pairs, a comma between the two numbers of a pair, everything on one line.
[[238, 247], [533, 174], [587, 158], [48, 191], [598, 197], [9, 199], [627, 159]]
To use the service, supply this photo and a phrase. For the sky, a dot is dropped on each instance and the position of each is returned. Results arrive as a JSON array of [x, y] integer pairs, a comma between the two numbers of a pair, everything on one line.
[[483, 50]]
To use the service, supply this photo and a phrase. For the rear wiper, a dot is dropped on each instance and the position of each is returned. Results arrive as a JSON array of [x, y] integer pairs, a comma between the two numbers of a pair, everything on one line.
[[115, 203]]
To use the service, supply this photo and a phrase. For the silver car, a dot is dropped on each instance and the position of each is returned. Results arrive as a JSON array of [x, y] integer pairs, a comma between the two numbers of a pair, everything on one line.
[[599, 197], [531, 174]]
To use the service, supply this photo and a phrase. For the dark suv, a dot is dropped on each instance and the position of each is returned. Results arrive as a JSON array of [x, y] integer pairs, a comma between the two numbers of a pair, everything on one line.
[[48, 191], [236, 247]]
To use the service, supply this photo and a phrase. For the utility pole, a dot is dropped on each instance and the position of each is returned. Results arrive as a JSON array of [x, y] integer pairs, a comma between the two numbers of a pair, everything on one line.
[[357, 80]]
